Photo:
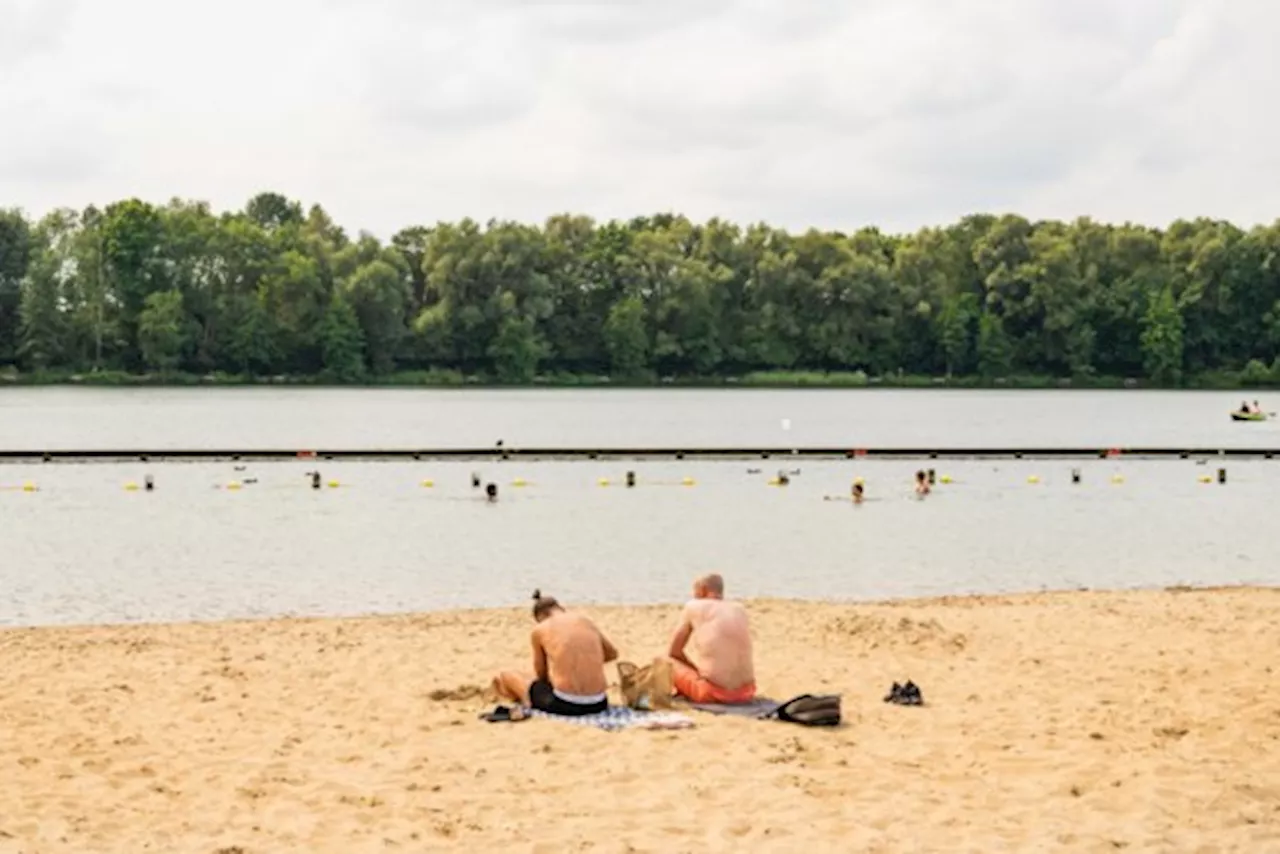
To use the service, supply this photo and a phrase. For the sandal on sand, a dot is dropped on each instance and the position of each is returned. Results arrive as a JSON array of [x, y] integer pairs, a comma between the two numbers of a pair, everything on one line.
[[504, 714], [905, 695]]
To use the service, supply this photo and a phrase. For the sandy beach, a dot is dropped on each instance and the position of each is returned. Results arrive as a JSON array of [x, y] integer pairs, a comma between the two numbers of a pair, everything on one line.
[[1074, 721]]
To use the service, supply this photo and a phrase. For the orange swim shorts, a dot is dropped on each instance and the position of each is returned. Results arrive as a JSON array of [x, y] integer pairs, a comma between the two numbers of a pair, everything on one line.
[[698, 689]]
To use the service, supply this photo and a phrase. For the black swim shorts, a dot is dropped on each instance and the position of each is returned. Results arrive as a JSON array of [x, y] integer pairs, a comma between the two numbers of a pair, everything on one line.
[[544, 698]]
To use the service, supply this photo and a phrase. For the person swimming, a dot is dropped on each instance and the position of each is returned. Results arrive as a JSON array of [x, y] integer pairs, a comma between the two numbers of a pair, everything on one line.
[[315, 479], [491, 493], [475, 480], [922, 484], [857, 493]]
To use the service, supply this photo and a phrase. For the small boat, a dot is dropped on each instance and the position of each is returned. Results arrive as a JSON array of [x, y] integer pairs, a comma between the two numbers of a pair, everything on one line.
[[1248, 416]]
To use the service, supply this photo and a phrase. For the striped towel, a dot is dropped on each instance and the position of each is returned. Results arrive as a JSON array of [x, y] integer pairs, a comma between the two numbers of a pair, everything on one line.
[[618, 718]]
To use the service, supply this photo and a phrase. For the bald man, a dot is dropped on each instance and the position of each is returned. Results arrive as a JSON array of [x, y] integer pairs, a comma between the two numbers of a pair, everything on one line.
[[711, 649]]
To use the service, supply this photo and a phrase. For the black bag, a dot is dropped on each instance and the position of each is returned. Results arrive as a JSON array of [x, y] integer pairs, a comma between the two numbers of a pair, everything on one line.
[[810, 710]]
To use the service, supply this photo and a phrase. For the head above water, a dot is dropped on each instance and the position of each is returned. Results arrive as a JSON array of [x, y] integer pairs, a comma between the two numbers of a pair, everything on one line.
[[709, 587], [544, 606], [920, 476]]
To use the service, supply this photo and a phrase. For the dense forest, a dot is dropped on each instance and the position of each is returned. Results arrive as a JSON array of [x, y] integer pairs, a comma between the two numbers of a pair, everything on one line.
[[279, 291]]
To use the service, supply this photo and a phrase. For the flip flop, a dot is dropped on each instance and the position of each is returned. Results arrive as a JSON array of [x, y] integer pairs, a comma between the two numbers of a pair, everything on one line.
[[504, 714]]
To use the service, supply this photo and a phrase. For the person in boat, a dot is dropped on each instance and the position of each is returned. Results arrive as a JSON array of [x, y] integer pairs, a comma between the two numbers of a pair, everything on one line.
[[922, 484], [1257, 410], [569, 655], [711, 653], [1244, 408]]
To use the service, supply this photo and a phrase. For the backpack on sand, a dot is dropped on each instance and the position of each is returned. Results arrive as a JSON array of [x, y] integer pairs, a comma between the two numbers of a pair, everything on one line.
[[810, 710]]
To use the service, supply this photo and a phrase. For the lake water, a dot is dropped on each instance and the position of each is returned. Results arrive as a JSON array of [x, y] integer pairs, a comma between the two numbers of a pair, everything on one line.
[[283, 418], [84, 550]]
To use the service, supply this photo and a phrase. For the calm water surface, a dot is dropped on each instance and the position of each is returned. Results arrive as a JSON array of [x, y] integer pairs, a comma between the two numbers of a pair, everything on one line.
[[84, 550], [73, 418]]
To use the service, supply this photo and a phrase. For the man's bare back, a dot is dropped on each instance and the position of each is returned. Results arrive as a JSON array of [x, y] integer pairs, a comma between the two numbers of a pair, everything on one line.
[[719, 645], [570, 653]]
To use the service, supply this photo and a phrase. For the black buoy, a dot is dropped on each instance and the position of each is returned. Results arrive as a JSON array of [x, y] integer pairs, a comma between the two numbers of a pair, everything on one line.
[[491, 492], [933, 477], [315, 480], [631, 479], [149, 483], [1222, 475], [475, 480], [1075, 475]]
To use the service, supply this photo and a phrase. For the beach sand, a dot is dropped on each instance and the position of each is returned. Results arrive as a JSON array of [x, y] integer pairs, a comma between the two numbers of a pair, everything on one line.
[[1075, 721]]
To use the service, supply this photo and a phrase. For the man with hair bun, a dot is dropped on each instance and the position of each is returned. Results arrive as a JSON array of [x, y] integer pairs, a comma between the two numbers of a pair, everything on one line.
[[711, 649], [569, 655]]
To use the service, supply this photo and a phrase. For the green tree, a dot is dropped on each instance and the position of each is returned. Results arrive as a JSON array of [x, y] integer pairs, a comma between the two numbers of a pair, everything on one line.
[[517, 349], [377, 293], [1162, 341], [272, 211], [15, 257], [342, 343], [163, 331], [995, 350], [954, 329], [627, 340]]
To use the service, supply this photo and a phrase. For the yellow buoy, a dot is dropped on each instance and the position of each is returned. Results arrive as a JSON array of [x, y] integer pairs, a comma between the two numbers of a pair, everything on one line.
[[233, 485], [29, 487], [131, 487], [688, 481], [773, 481], [946, 478], [604, 481], [427, 484], [333, 484], [1117, 478], [1033, 479], [1204, 478], [519, 482]]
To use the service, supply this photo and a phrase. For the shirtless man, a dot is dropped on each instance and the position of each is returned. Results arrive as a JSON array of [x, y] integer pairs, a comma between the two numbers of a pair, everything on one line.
[[569, 655], [711, 650]]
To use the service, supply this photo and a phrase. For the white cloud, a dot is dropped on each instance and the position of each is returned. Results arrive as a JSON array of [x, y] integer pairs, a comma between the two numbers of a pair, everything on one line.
[[799, 112]]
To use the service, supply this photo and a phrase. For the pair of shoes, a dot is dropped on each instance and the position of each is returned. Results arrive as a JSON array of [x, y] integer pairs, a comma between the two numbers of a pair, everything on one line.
[[905, 695]]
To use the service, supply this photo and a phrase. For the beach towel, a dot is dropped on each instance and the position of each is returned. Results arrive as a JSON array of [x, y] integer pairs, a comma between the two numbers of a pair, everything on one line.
[[760, 707], [806, 709], [618, 718]]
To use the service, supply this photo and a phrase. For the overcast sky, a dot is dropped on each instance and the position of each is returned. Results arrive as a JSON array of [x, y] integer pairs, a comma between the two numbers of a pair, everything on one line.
[[832, 113]]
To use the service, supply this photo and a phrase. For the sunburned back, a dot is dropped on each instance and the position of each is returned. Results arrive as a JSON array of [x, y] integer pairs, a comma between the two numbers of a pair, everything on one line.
[[720, 644], [575, 654]]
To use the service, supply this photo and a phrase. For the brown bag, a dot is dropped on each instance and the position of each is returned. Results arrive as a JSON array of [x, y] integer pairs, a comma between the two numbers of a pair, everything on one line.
[[648, 687]]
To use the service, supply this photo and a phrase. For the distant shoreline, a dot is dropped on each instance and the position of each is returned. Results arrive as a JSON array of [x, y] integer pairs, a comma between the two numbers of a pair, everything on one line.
[[448, 379]]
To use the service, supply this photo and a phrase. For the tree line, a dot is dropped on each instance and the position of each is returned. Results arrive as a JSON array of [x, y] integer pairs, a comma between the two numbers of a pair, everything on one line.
[[279, 290]]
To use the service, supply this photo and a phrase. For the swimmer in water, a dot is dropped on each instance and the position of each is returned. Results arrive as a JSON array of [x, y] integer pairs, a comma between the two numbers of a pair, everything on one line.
[[922, 484], [475, 480], [857, 493], [491, 493], [315, 479]]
